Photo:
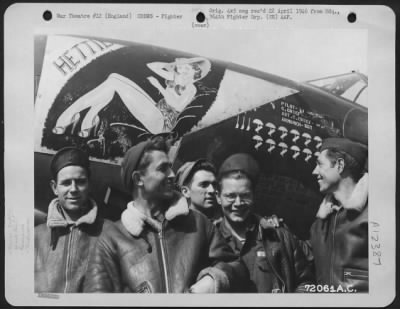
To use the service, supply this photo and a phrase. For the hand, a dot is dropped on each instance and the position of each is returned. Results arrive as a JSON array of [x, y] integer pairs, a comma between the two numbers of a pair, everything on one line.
[[204, 285]]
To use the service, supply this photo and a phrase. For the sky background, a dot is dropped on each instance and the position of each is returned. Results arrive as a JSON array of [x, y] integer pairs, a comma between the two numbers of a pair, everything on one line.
[[299, 54]]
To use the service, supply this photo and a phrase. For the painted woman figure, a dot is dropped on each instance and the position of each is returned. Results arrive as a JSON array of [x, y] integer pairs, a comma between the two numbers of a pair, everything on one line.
[[157, 117], [180, 91]]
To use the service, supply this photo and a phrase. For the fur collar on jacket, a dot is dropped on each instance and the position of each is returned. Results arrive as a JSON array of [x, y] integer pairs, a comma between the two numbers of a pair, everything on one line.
[[134, 220], [56, 216], [357, 201]]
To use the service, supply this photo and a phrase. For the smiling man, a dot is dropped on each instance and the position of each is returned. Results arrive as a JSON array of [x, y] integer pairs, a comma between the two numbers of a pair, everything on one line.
[[198, 183], [64, 243], [339, 236], [160, 245], [273, 257]]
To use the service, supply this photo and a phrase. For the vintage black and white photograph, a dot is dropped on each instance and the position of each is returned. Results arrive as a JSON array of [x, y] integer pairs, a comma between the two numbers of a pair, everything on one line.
[[201, 149]]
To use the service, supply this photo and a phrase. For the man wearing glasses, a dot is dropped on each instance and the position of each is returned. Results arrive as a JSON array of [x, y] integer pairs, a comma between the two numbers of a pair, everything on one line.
[[160, 245], [275, 261]]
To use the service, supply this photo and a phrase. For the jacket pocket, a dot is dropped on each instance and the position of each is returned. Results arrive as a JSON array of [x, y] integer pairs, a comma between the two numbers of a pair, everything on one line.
[[144, 287], [357, 278]]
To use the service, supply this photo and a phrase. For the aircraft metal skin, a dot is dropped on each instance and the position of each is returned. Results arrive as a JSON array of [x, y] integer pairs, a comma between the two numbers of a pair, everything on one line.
[[112, 94]]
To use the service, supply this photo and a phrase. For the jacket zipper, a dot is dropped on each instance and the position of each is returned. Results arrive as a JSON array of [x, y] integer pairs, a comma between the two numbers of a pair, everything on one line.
[[68, 261], [333, 247], [163, 257]]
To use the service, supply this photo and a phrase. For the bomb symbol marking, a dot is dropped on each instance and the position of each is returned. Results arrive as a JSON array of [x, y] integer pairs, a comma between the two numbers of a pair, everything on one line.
[[259, 141], [284, 132], [319, 141], [307, 138], [296, 135], [259, 125], [271, 145], [308, 154], [284, 148], [271, 127], [296, 151]]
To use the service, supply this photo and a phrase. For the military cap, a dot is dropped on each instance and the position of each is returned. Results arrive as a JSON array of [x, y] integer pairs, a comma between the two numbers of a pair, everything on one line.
[[357, 150], [241, 162], [69, 156], [185, 170], [130, 163]]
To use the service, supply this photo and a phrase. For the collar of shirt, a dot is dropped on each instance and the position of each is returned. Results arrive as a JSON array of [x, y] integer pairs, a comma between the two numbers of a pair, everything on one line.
[[232, 237]]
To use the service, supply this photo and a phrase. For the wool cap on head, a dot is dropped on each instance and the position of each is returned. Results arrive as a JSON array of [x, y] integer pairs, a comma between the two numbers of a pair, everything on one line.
[[185, 170], [241, 162], [69, 156], [358, 151], [130, 163]]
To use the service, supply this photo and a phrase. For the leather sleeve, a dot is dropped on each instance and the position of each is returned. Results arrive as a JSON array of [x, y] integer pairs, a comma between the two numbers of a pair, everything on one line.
[[305, 245], [303, 263], [230, 271], [103, 274]]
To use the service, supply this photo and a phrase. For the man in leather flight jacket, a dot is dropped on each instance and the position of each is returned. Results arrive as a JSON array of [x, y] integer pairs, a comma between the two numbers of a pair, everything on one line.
[[339, 236], [64, 243], [160, 245], [275, 260]]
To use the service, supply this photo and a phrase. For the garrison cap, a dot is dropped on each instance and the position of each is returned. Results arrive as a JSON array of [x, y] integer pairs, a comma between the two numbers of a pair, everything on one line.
[[69, 156], [185, 170], [358, 151], [130, 163], [241, 162]]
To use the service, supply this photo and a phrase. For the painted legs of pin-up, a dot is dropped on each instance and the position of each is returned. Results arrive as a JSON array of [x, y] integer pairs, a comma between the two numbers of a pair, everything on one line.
[[73, 119], [138, 102]]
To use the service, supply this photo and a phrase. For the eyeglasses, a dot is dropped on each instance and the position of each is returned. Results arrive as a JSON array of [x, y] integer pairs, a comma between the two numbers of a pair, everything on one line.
[[244, 197]]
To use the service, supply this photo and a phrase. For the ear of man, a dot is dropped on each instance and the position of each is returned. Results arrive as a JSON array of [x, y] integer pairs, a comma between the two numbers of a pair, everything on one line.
[[185, 191], [137, 179], [218, 197], [340, 165], [53, 186]]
